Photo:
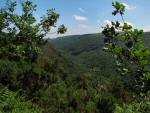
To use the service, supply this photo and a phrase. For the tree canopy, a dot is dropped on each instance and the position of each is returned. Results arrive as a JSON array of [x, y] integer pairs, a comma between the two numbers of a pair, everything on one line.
[[21, 35]]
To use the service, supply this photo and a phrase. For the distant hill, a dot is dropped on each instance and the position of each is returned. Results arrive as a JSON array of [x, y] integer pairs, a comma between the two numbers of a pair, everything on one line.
[[87, 51]]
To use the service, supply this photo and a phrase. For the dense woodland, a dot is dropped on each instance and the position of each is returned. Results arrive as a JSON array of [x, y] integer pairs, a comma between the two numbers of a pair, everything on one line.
[[107, 72]]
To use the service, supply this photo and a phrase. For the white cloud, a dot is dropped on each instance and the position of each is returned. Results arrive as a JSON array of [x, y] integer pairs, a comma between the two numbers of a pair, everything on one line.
[[81, 10], [107, 22], [129, 7], [80, 18]]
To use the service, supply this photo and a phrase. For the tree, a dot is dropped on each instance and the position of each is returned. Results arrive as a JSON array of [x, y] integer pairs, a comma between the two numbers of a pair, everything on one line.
[[127, 47], [21, 37]]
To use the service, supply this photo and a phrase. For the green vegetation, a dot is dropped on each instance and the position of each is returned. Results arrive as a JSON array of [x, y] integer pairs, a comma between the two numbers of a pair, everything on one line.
[[36, 77], [131, 56], [86, 50], [10, 102], [131, 75]]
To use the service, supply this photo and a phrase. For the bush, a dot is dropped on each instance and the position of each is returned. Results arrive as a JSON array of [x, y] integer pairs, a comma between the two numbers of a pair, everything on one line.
[[54, 98], [117, 88], [139, 106], [106, 103], [29, 77], [91, 107], [9, 72]]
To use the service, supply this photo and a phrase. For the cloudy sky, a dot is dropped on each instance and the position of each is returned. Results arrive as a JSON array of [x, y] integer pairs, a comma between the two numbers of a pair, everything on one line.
[[87, 16]]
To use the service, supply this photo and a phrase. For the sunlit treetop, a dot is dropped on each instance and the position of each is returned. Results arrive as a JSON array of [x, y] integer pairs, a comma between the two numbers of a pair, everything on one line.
[[22, 32]]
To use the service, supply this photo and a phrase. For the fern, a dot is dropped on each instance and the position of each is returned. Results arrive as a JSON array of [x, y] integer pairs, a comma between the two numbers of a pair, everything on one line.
[[11, 103], [4, 93]]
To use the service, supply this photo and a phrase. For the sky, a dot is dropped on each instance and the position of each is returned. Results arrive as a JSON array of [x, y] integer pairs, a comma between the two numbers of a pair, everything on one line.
[[88, 16]]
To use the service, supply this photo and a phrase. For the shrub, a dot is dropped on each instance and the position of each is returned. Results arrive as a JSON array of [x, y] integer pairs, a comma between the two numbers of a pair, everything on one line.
[[91, 107], [105, 103], [54, 98], [139, 106]]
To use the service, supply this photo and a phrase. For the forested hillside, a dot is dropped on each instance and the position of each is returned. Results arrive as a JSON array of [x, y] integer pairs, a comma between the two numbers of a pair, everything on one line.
[[87, 50], [90, 73]]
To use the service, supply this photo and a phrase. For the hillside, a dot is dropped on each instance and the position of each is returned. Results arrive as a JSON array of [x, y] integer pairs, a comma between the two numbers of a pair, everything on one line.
[[71, 74], [87, 50]]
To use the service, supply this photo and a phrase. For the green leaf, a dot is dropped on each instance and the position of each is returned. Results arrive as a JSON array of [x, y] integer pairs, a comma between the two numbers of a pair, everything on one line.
[[137, 53], [146, 53], [143, 62], [147, 76], [117, 50]]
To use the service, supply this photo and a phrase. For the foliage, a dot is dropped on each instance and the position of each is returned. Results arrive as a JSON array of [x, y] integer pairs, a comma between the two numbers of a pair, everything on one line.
[[141, 106], [105, 103], [54, 98], [51, 81], [20, 35], [60, 97], [86, 51], [99, 81], [103, 81], [128, 50], [10, 102], [27, 77]]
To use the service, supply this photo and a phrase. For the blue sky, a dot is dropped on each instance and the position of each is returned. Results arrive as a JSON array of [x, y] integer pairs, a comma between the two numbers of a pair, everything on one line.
[[87, 16]]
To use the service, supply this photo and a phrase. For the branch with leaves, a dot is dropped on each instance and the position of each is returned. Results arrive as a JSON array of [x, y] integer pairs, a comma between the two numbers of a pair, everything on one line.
[[127, 47], [21, 37]]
